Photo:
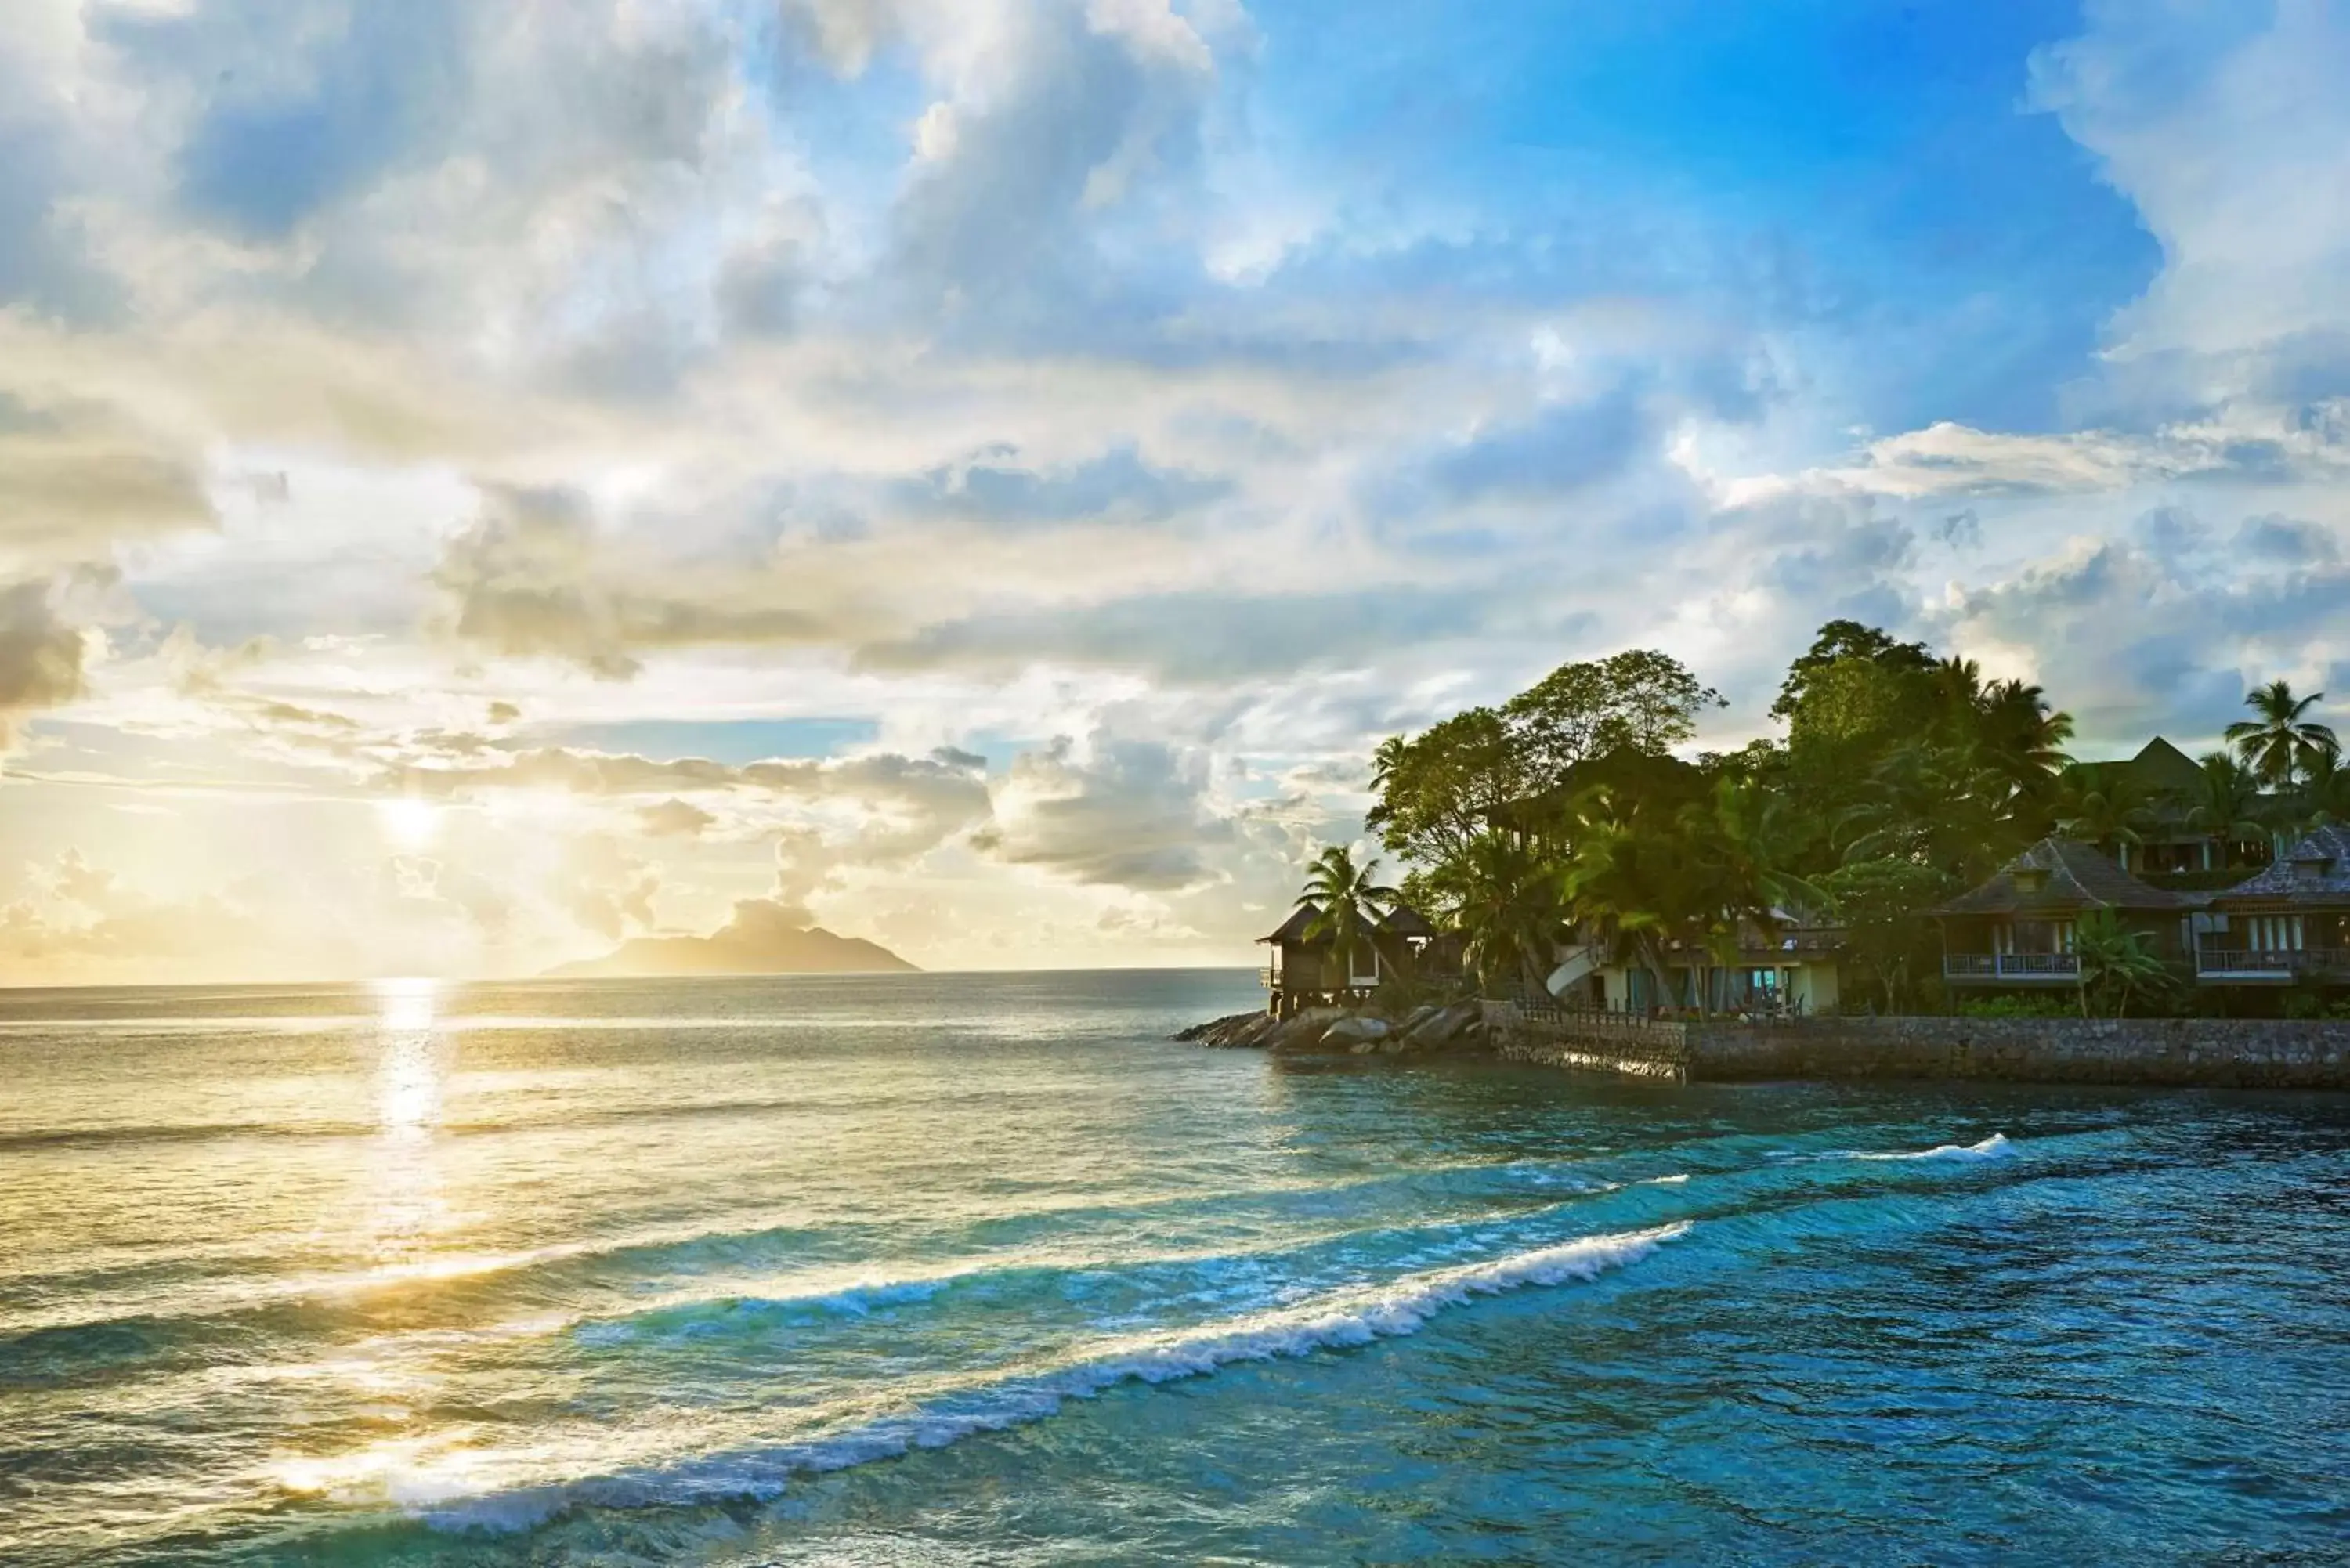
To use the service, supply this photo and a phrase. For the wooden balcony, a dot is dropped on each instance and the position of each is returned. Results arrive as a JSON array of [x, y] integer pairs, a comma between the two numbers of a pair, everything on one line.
[[2281, 967], [2012, 969]]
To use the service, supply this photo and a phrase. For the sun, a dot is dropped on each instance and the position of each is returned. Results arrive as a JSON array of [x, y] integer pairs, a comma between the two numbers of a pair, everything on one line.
[[409, 823]]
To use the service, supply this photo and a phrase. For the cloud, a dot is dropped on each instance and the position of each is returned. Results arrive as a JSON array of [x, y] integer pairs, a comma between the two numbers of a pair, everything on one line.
[[2167, 624], [1556, 452], [1061, 121], [606, 889], [42, 657], [1189, 637], [1117, 485], [2218, 123], [1122, 812], [44, 263], [81, 914], [78, 475], [531, 578], [674, 818]]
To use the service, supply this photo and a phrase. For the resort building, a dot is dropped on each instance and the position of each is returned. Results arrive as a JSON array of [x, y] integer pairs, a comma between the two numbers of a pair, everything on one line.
[[2290, 924], [1791, 970], [1310, 971], [2019, 927], [2172, 845]]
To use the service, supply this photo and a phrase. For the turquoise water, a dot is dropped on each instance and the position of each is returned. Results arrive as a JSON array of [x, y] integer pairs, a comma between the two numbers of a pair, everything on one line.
[[953, 1269]]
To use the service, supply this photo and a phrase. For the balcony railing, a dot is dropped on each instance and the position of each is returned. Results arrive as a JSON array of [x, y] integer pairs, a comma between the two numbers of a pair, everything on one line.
[[2017, 967], [2285, 964]]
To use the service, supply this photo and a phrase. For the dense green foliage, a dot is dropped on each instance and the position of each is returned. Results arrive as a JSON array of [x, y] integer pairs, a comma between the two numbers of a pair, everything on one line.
[[1902, 778], [1346, 899]]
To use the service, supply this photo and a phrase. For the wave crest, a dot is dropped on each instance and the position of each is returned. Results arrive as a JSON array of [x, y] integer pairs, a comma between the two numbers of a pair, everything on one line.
[[948, 1413], [1995, 1147]]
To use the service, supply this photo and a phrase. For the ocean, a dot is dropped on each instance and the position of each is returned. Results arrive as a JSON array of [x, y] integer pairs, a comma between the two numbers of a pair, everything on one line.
[[984, 1269]]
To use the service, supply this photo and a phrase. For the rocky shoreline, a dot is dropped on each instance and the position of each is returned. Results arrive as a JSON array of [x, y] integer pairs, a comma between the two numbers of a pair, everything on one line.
[[2208, 1053], [1361, 1032]]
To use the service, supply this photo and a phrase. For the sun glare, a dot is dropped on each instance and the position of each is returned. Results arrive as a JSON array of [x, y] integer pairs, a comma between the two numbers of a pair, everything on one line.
[[410, 824]]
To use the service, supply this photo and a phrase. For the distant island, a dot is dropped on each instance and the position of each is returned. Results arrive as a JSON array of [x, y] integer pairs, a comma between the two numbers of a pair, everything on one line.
[[764, 937]]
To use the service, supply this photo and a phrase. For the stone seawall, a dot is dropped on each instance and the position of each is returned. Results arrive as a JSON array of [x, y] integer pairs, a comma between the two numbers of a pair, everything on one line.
[[2219, 1053]]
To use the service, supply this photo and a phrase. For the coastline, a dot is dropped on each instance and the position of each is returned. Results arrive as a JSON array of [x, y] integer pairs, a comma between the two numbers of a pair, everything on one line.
[[2155, 1052]]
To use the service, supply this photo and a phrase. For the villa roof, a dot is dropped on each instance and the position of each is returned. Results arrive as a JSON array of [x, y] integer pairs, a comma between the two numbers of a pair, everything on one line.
[[2315, 869], [2157, 768], [2070, 877], [1292, 930], [1402, 921]]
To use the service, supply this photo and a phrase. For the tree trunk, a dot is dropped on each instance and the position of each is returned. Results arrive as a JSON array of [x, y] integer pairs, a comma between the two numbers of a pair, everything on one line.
[[1649, 961]]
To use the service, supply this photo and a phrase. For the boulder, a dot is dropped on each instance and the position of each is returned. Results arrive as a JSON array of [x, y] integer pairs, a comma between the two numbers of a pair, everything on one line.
[[1357, 1030], [1234, 1030], [1243, 1034], [1304, 1030], [1200, 1032], [1444, 1027]]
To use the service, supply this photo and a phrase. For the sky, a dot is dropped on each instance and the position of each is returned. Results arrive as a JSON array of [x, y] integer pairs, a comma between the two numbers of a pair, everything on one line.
[[482, 483]]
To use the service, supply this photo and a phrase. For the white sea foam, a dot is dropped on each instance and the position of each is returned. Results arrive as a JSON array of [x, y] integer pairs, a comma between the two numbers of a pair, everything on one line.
[[1995, 1147], [946, 1411], [1665, 1181]]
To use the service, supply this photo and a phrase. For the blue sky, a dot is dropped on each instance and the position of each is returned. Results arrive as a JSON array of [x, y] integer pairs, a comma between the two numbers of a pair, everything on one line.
[[479, 483]]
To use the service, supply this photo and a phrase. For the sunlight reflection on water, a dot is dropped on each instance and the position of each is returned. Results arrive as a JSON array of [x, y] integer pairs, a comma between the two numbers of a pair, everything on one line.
[[406, 1204]]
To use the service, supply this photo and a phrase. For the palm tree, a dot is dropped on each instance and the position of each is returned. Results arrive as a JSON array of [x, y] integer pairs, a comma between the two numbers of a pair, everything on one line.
[[2280, 745], [2326, 794], [2111, 955], [1346, 900], [1941, 806], [2023, 736], [1751, 836], [1742, 839], [1624, 882], [2115, 815], [2227, 804], [1505, 902]]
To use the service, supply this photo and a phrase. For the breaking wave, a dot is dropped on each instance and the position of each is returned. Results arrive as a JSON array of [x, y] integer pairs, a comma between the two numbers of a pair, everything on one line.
[[947, 1412], [1995, 1147]]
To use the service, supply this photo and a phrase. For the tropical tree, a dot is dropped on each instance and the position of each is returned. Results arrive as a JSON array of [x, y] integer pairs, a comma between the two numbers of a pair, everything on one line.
[[1347, 901], [1942, 806], [1882, 904], [2113, 960], [1624, 885], [2022, 735], [1749, 836], [2225, 803], [1638, 700], [1506, 901], [2281, 743], [2103, 814], [1438, 790], [2326, 794]]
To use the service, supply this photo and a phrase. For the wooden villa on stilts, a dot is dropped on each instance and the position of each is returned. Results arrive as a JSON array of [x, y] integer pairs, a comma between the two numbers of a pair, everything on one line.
[[1311, 973]]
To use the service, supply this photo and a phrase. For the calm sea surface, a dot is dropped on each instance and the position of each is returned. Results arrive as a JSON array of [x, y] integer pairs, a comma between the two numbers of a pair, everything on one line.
[[953, 1269]]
